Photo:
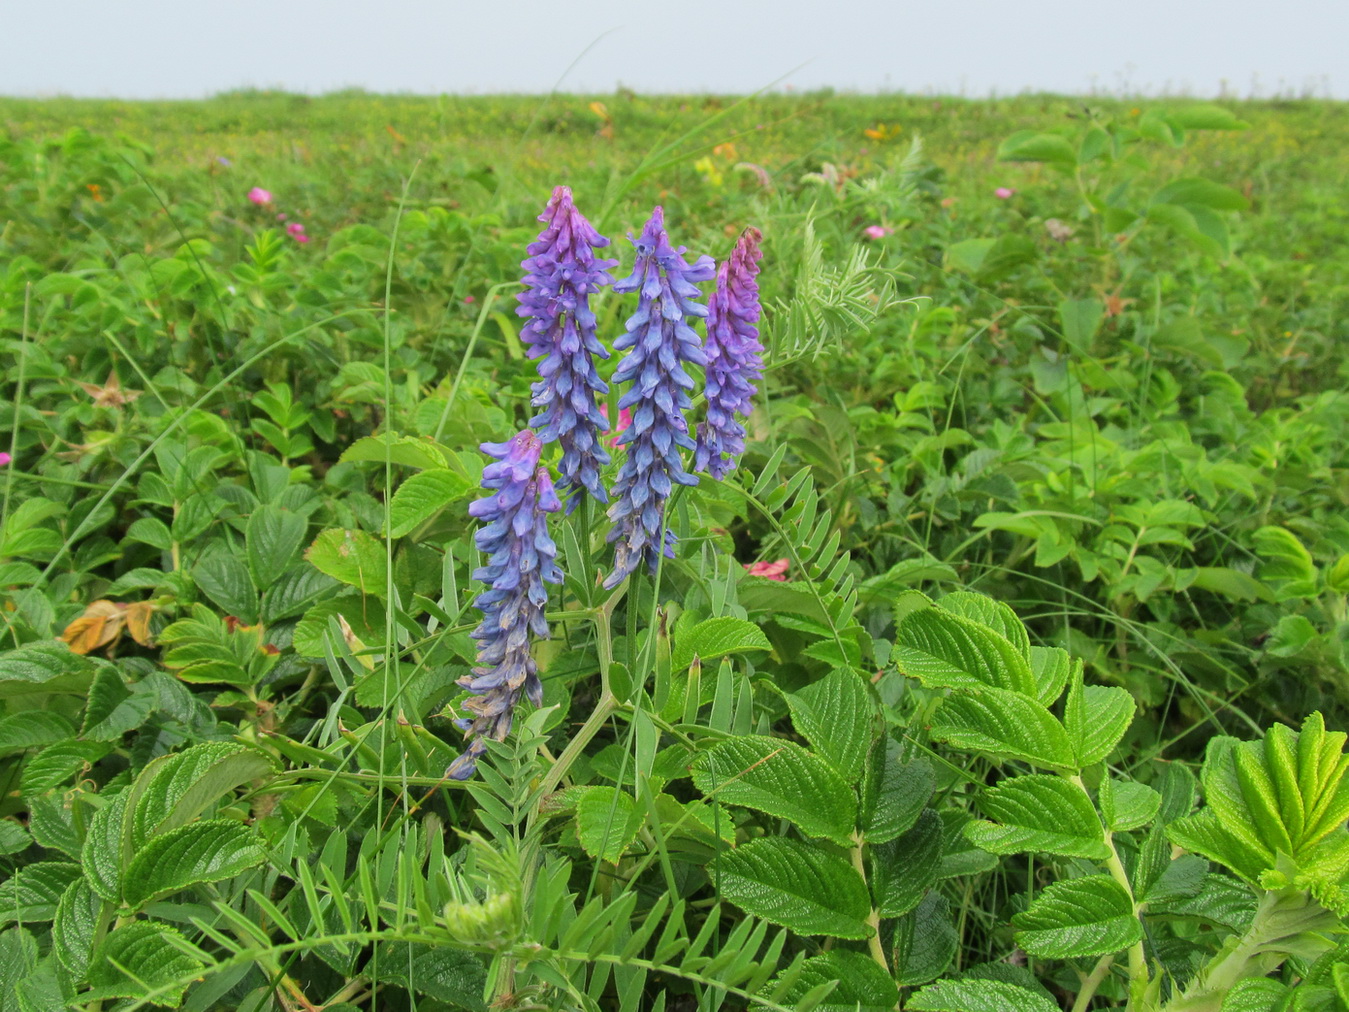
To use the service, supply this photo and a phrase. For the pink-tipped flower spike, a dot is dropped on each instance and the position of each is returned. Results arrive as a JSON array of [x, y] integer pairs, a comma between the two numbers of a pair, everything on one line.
[[1004, 193], [260, 196]]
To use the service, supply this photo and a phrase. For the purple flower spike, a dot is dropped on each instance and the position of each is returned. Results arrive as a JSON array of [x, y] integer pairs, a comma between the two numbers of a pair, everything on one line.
[[661, 341], [734, 358], [561, 274], [520, 554]]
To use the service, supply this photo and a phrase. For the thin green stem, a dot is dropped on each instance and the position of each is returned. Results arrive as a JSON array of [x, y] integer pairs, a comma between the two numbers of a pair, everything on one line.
[[874, 915], [1093, 981]]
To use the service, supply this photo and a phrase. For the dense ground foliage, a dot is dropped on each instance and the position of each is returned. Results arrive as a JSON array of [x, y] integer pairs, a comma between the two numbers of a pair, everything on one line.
[[1046, 472]]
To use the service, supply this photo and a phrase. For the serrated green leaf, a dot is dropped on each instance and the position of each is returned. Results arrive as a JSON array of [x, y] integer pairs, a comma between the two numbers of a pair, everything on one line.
[[1181, 879], [173, 790], [13, 838], [1203, 834], [607, 821], [925, 941], [944, 650], [422, 496], [835, 715], [442, 973], [959, 855], [58, 764], [1081, 917], [978, 996], [352, 557], [893, 792], [1096, 718], [1126, 805], [1221, 900], [45, 668], [1259, 994], [862, 985], [903, 870], [31, 894], [715, 638], [32, 729], [207, 851], [74, 926], [222, 576], [1287, 567], [782, 779], [1041, 813], [1052, 667], [103, 848], [801, 887], [138, 958], [1029, 146], [295, 591], [107, 692], [408, 451], [1005, 725], [272, 540]]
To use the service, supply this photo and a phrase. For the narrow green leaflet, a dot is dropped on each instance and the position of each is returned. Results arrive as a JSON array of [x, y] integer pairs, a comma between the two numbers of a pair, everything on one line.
[[904, 869], [607, 821], [893, 792], [1078, 918], [1095, 717], [205, 851], [422, 497], [862, 985], [835, 716], [944, 650], [715, 638], [101, 853], [782, 779], [801, 887], [31, 894], [1005, 725], [978, 996], [138, 958], [1041, 813]]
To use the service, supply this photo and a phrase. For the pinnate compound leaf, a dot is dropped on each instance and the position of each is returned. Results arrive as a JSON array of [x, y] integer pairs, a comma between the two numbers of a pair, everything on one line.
[[894, 791], [607, 821], [1038, 813], [862, 985], [979, 996], [782, 779], [1005, 725], [1080, 917], [205, 851], [944, 650], [139, 958], [31, 894], [715, 638], [904, 869], [1095, 717], [422, 496], [173, 790], [801, 887], [835, 716]]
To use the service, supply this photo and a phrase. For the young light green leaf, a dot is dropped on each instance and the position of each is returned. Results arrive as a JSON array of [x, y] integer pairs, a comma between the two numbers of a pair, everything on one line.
[[978, 996], [801, 887], [1038, 813], [715, 638], [1287, 567], [1095, 717], [272, 540], [207, 851], [1052, 668], [1077, 918], [903, 870], [423, 496], [944, 650], [1126, 805], [1005, 725], [353, 557], [835, 715], [138, 958], [31, 894], [607, 821], [893, 792], [996, 615], [782, 779]]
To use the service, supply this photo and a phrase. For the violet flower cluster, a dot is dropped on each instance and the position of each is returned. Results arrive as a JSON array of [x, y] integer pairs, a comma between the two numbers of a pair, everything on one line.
[[520, 561], [734, 358], [561, 274], [661, 341]]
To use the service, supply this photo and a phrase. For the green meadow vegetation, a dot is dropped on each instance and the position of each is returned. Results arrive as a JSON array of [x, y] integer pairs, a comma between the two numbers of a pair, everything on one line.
[[1009, 670]]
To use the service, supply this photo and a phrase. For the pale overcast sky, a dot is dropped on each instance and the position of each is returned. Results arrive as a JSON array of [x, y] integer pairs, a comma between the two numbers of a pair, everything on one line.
[[193, 48]]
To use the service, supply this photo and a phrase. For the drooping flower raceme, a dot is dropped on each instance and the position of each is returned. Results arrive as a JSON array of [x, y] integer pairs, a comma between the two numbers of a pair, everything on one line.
[[520, 561], [734, 358], [561, 274], [661, 341]]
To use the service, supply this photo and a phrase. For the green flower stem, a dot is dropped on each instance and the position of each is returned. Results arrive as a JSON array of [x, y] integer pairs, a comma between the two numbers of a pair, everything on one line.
[[873, 916], [1093, 981]]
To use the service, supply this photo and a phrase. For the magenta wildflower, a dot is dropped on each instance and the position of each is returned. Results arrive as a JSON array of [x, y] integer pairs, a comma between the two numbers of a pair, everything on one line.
[[661, 341], [874, 232], [260, 196], [5, 459], [1004, 193], [561, 274], [734, 358], [296, 231], [520, 561]]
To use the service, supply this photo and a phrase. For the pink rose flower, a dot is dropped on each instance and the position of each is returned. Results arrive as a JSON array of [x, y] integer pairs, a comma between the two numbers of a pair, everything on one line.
[[259, 196], [1004, 193], [469, 300], [5, 459], [769, 570], [874, 232], [296, 231]]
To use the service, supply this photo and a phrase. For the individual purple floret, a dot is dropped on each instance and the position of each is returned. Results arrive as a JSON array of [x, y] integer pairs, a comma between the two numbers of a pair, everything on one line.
[[561, 274], [661, 341], [520, 554], [734, 358]]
